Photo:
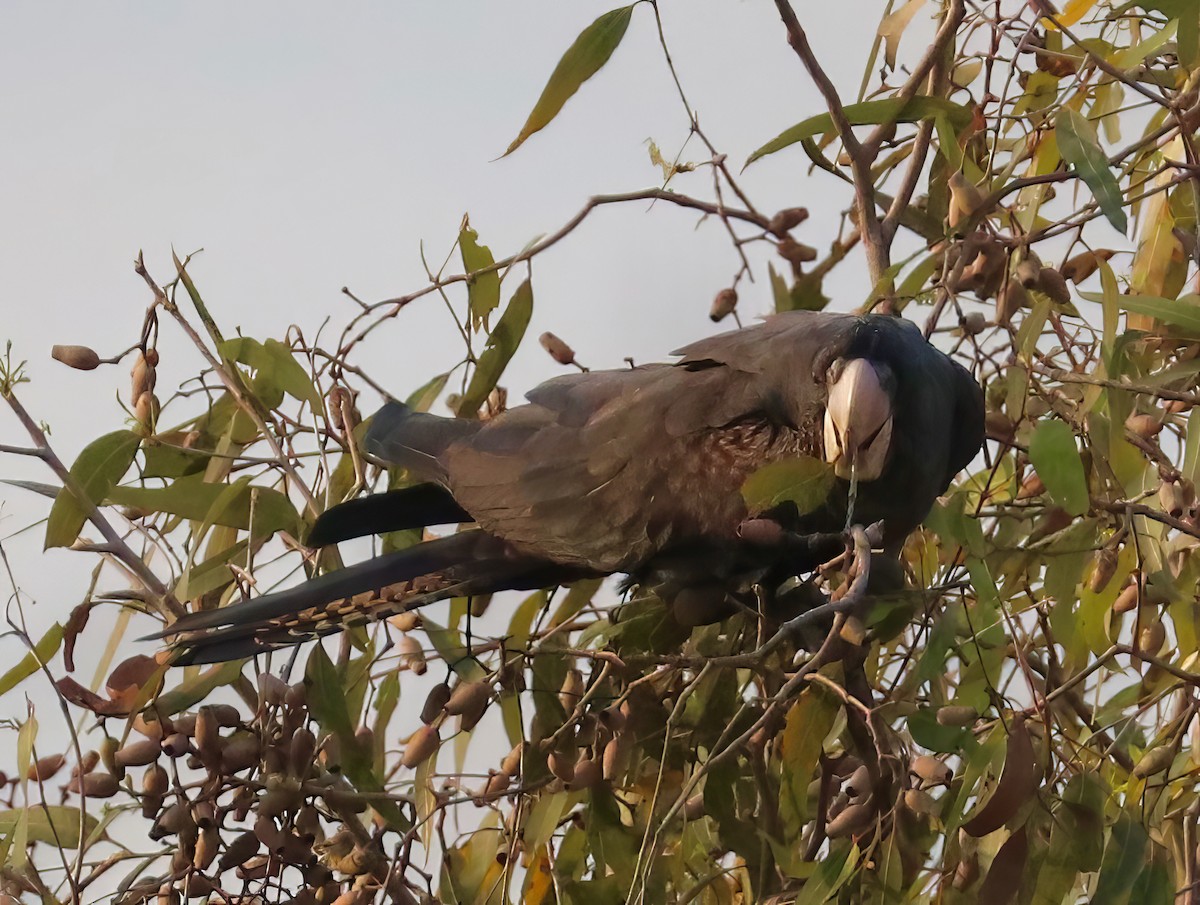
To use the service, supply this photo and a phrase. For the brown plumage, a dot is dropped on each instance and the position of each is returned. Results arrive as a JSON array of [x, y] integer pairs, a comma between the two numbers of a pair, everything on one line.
[[638, 471]]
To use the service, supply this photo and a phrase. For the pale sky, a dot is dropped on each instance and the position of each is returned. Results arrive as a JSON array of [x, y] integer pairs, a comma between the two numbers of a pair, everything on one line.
[[306, 147]]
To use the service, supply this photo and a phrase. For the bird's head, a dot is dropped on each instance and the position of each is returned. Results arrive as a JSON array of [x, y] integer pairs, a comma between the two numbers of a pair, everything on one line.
[[858, 417]]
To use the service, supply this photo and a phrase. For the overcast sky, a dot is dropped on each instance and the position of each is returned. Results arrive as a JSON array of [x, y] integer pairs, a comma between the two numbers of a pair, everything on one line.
[[306, 147]]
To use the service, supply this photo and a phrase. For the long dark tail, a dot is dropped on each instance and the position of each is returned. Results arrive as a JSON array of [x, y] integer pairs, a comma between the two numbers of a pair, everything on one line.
[[396, 510], [465, 564]]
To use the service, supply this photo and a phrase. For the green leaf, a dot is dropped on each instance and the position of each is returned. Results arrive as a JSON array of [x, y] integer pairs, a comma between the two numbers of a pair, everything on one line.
[[329, 707], [193, 691], [30, 663], [98, 468], [869, 113], [501, 345], [1079, 146], [423, 398], [51, 824], [1124, 858], [582, 60], [232, 505], [1056, 460], [1183, 312], [275, 365], [483, 291], [805, 481]]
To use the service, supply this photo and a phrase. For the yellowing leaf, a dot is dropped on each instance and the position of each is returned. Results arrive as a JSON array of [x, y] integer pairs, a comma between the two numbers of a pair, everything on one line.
[[51, 824], [892, 27], [582, 60], [1072, 12], [29, 664], [805, 481], [98, 468], [483, 291]]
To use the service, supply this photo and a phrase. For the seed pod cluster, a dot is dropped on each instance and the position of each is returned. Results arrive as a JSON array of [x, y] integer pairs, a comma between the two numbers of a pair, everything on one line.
[[142, 379], [786, 220]]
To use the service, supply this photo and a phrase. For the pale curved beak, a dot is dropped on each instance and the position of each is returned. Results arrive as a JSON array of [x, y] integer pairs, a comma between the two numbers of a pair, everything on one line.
[[858, 422]]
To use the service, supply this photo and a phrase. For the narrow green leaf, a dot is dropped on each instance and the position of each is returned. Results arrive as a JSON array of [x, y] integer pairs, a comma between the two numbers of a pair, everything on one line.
[[1079, 146], [870, 113], [582, 60], [423, 398], [193, 691], [1183, 312], [1124, 858], [1056, 459], [98, 468], [483, 291], [51, 824], [46, 648], [501, 345], [231, 505], [805, 481]]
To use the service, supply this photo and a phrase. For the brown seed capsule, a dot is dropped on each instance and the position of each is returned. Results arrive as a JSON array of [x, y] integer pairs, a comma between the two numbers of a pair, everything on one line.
[[931, 770], [1013, 297], [175, 745], [855, 819], [412, 655], [974, 323], [724, 303], [155, 780], [90, 760], [95, 785], [785, 220], [268, 833], [208, 737], [239, 851], [108, 754], [1144, 426], [1031, 487], [467, 696], [1027, 272], [612, 718], [1155, 760], [405, 622], [1152, 637], [1104, 564], [301, 750], [920, 802], [207, 847], [512, 761], [497, 784], [858, 786], [420, 746], [588, 774], [562, 764], [45, 767], [1127, 600], [1172, 498], [1083, 265], [271, 689], [142, 377], [81, 358], [693, 808], [795, 253], [966, 873], [559, 350], [143, 408], [1051, 282], [138, 754], [571, 690], [965, 199], [614, 757], [184, 723], [240, 752], [956, 715], [435, 701]]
